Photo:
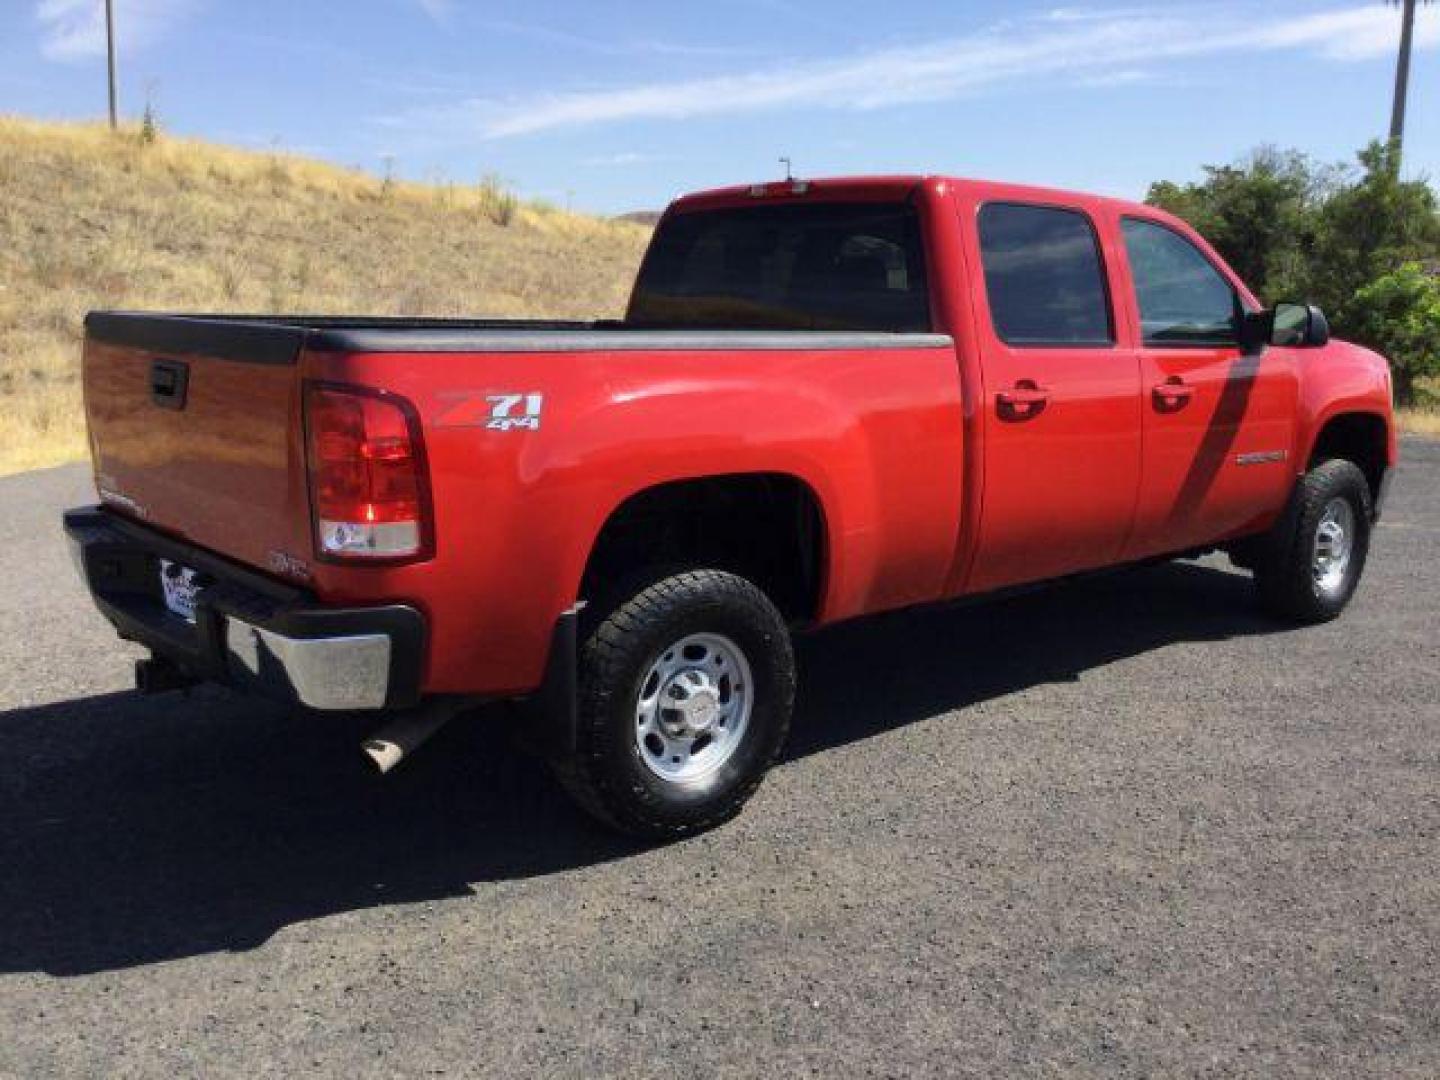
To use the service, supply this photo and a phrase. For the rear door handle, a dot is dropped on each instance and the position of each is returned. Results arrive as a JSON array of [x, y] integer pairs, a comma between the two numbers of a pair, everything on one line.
[[1022, 401], [1172, 393]]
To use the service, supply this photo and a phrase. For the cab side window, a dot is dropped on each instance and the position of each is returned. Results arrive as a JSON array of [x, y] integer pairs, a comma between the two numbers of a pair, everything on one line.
[[1043, 276], [1183, 298]]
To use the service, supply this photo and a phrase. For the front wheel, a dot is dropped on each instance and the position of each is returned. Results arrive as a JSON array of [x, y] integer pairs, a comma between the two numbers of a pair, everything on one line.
[[685, 695], [1311, 564]]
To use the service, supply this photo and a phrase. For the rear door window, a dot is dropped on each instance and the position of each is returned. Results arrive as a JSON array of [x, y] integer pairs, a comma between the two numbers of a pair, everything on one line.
[[803, 266], [1044, 277]]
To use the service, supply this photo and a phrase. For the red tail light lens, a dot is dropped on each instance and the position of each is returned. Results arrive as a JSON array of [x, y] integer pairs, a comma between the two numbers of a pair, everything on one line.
[[368, 484]]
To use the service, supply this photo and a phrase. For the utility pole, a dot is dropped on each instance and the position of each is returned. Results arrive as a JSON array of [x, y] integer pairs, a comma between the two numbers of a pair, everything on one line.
[[1402, 74], [110, 54]]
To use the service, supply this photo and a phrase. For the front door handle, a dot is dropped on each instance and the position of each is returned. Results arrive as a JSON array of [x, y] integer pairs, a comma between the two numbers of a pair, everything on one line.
[[1022, 401], [1173, 393]]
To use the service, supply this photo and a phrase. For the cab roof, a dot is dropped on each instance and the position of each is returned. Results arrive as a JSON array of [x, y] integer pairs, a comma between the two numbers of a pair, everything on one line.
[[893, 188], [890, 187]]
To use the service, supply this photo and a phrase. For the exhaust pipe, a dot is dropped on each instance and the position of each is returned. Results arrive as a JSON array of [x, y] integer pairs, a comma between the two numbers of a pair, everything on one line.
[[405, 733]]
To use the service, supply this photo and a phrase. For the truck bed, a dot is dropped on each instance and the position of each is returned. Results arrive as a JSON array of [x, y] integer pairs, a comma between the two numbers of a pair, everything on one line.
[[196, 422]]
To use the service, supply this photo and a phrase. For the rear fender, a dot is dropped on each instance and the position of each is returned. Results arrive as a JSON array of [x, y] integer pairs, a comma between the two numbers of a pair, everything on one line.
[[874, 433]]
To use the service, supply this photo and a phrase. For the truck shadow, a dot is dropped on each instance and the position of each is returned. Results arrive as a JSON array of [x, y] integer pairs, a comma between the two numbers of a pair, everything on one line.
[[135, 830], [861, 678]]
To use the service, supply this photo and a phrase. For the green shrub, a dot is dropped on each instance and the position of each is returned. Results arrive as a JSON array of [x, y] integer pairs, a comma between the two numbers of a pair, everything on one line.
[[1399, 314], [149, 126], [497, 201]]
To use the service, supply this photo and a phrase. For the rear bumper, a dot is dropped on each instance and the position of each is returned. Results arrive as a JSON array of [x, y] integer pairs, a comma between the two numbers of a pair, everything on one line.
[[250, 631]]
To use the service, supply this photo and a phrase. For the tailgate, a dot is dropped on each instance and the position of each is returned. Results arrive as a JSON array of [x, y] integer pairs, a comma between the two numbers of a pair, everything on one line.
[[194, 428]]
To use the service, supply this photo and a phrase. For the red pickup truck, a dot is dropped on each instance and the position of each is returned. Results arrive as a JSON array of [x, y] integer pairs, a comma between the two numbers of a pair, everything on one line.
[[826, 399]]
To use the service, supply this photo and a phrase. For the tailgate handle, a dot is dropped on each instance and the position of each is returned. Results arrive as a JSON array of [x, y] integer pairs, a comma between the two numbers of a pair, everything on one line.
[[168, 382]]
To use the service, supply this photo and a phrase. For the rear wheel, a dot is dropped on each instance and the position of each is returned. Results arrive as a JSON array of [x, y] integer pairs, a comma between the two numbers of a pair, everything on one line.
[[1309, 567], [685, 694]]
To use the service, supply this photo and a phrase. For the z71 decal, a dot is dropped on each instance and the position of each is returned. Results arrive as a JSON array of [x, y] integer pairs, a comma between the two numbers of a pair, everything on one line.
[[505, 413], [495, 412]]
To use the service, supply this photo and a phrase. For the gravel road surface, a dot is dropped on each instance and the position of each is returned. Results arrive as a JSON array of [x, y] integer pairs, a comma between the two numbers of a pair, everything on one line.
[[1122, 828]]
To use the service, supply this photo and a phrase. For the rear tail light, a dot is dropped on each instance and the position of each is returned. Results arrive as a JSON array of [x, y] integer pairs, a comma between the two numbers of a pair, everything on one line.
[[369, 492]]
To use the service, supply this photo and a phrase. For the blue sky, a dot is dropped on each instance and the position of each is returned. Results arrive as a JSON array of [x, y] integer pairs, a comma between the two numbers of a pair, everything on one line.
[[618, 106]]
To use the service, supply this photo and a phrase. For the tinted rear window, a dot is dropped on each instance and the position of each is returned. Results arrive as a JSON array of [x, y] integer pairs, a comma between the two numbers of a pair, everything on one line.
[[818, 266], [1043, 276]]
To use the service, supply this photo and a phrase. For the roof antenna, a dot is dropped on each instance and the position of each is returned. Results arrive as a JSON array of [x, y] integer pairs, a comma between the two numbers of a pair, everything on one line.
[[786, 162]]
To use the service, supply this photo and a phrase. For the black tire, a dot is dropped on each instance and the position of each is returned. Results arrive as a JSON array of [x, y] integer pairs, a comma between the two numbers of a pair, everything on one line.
[[1285, 567], [606, 774]]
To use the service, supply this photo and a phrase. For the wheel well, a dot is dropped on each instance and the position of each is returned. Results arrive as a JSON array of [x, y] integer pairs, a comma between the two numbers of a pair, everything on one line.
[[1358, 437], [763, 526]]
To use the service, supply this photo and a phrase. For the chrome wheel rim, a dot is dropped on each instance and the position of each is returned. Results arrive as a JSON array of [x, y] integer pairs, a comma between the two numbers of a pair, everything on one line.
[[693, 707], [1334, 544]]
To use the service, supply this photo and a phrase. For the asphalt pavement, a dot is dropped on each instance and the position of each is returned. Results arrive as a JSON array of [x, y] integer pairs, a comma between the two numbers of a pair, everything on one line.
[[1123, 827]]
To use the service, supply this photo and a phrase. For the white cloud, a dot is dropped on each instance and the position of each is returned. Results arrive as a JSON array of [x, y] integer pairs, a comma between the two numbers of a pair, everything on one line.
[[1119, 77], [1353, 34], [1073, 14], [1059, 44], [609, 45], [623, 157], [75, 29], [438, 10]]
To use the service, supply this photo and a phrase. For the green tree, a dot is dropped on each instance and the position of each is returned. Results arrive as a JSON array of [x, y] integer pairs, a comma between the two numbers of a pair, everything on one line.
[[1368, 227], [1399, 314], [1259, 213], [1360, 242], [1298, 230]]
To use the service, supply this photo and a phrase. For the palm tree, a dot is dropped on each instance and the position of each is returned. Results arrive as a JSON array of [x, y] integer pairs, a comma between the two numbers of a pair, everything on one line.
[[1402, 75]]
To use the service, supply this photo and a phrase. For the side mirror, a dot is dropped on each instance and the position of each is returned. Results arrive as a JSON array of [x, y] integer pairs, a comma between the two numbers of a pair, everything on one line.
[[1298, 325]]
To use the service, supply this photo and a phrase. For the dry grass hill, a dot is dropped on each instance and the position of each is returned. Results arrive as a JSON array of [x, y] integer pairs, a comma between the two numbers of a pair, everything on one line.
[[92, 219]]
